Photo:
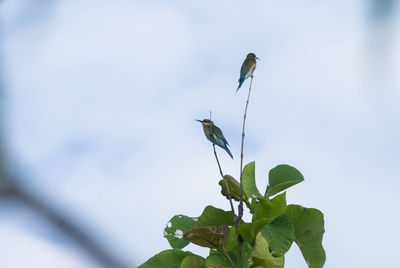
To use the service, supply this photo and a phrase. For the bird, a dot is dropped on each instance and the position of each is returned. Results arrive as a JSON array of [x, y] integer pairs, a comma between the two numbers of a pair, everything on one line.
[[248, 67], [214, 134]]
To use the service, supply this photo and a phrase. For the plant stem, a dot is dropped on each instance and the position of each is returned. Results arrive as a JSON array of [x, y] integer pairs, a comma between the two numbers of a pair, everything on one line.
[[226, 184], [227, 257], [240, 207]]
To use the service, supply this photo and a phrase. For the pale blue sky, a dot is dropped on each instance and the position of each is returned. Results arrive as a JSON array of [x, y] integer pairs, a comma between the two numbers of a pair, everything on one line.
[[101, 98]]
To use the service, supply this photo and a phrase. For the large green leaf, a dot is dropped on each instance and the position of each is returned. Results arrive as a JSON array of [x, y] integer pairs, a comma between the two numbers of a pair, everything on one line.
[[270, 209], [170, 258], [193, 261], [309, 229], [279, 234], [265, 212], [214, 216], [262, 257], [175, 229], [217, 260], [282, 177], [249, 181], [249, 230]]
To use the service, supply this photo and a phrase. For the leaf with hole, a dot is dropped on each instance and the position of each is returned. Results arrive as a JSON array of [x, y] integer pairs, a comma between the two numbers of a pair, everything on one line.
[[175, 229]]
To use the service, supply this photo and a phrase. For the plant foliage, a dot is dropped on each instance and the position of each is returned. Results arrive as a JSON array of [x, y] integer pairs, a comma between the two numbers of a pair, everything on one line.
[[274, 227]]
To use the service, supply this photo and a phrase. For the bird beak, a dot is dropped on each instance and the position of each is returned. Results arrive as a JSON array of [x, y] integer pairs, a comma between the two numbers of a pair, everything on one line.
[[199, 121], [258, 58]]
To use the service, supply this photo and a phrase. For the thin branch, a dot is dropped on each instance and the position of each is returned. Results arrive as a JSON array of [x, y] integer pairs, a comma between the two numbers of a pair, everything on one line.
[[226, 184], [240, 207], [92, 247], [241, 153]]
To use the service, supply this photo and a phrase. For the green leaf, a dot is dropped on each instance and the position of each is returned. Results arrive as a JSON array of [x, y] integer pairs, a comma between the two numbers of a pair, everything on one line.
[[262, 257], [282, 177], [249, 230], [193, 261], [170, 258], [209, 236], [175, 229], [214, 216], [247, 252], [217, 260], [232, 244], [309, 230], [249, 181], [252, 205], [270, 209], [279, 234], [265, 212]]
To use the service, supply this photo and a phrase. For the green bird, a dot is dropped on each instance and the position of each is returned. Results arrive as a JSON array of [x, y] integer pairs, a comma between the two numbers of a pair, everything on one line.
[[215, 135], [248, 67]]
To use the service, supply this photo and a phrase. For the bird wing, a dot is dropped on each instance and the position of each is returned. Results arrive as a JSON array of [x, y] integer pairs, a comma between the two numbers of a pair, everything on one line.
[[218, 132], [245, 68]]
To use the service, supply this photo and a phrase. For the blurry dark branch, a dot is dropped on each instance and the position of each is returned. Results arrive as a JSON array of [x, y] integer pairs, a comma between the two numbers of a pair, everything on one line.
[[381, 10], [10, 189]]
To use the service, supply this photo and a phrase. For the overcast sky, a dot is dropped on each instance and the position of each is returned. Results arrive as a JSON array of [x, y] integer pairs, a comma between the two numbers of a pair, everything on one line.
[[101, 98]]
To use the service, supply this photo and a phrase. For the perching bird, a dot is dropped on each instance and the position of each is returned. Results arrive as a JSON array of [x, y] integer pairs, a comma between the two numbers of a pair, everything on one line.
[[215, 135], [248, 67]]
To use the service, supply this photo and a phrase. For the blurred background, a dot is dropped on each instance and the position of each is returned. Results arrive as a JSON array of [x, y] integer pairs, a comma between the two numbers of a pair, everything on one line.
[[100, 147]]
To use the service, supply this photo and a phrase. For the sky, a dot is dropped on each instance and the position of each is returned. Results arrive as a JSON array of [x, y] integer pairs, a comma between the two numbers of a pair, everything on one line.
[[100, 105]]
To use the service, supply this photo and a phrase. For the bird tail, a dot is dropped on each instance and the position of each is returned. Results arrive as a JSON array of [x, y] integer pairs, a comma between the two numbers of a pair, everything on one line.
[[241, 80], [229, 152]]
